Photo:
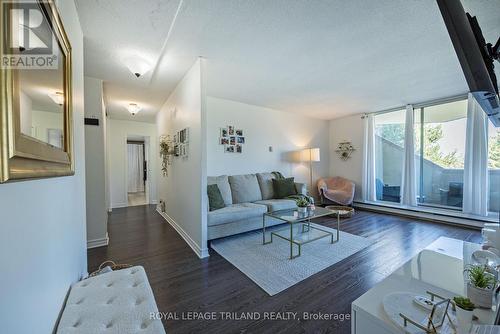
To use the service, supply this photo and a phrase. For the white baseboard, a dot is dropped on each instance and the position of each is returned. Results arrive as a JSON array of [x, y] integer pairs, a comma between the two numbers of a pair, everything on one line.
[[98, 242], [202, 253], [155, 202], [119, 205]]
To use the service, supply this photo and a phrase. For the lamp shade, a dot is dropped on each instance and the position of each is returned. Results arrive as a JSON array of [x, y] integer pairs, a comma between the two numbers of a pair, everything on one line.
[[309, 154]]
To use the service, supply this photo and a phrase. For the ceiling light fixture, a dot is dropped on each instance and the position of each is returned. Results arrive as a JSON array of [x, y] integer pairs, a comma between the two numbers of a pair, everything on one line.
[[57, 97], [138, 66], [133, 108]]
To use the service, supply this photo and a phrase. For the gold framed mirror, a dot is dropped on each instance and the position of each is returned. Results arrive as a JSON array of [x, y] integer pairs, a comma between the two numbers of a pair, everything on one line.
[[35, 86]]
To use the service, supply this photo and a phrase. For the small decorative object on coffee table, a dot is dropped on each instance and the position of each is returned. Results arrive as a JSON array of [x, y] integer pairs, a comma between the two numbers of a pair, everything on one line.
[[302, 204]]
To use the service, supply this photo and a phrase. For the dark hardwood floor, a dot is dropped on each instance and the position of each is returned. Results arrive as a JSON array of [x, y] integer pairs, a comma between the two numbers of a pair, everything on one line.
[[182, 282]]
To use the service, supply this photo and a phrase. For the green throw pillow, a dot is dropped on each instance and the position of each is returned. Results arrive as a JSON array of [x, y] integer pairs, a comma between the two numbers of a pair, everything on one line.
[[284, 187], [215, 200]]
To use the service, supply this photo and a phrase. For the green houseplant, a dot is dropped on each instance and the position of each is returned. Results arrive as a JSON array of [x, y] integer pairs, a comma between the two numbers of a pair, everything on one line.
[[464, 309], [464, 303], [166, 152], [302, 204], [481, 284]]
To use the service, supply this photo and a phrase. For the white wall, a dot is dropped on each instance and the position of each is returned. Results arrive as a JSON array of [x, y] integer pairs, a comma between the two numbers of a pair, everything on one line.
[[347, 129], [117, 158], [95, 164], [264, 127], [42, 225], [44, 120], [35, 123], [185, 187], [25, 107]]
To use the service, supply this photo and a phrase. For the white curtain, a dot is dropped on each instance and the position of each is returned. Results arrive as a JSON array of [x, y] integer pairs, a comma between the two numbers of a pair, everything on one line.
[[135, 168], [408, 176], [368, 182], [476, 192]]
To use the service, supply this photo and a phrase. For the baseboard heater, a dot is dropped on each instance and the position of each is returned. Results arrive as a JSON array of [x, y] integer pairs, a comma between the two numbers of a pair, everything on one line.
[[437, 217]]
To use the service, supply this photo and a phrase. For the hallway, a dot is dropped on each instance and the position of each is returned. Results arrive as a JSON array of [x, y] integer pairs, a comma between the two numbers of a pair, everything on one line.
[[138, 198]]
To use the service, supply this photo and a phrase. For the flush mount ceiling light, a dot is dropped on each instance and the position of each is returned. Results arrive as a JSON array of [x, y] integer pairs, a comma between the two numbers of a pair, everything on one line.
[[138, 66], [57, 97], [133, 108]]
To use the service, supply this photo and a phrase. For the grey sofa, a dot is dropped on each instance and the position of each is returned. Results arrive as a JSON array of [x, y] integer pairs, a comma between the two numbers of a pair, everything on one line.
[[246, 198]]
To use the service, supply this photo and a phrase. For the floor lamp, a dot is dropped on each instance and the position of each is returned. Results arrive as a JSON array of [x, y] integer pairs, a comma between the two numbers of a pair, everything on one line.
[[310, 155]]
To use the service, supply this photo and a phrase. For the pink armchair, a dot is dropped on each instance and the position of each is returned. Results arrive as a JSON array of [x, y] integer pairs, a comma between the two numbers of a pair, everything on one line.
[[336, 190]]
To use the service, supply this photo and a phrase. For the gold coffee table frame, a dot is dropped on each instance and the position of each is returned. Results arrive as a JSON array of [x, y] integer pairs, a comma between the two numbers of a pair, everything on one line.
[[293, 218]]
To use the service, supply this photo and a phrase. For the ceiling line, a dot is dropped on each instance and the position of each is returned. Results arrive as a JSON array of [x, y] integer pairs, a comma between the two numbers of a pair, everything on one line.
[[164, 46]]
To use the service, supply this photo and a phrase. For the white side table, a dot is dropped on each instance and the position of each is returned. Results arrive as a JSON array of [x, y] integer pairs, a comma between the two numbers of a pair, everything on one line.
[[438, 268]]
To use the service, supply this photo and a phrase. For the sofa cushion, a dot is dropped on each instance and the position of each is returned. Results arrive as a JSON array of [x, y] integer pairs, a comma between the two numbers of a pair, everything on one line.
[[278, 204], [284, 187], [235, 212], [215, 200], [245, 188], [223, 183], [266, 185]]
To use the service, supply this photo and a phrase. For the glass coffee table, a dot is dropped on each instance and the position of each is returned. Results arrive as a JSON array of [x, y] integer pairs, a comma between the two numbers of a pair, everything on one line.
[[299, 230]]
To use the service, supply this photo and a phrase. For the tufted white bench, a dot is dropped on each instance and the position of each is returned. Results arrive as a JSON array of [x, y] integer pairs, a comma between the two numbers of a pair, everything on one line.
[[116, 302]]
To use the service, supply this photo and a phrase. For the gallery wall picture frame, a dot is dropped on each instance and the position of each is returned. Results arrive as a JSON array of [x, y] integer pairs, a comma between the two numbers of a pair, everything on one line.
[[183, 135], [232, 139], [181, 143]]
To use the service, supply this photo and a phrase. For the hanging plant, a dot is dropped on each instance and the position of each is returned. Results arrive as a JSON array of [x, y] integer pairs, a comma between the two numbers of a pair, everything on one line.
[[166, 153]]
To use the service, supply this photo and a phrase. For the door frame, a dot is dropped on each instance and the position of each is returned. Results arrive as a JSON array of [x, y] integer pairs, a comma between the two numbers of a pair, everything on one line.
[[146, 153]]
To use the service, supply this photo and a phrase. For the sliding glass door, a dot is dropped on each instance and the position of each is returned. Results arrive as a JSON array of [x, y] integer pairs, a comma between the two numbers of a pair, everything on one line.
[[494, 167], [389, 154], [440, 150], [440, 132]]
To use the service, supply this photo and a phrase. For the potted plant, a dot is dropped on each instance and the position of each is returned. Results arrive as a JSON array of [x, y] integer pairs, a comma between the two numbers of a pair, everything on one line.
[[464, 309], [302, 204], [166, 152], [480, 285]]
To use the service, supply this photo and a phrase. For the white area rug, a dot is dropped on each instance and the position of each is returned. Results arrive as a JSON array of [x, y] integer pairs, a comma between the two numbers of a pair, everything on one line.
[[270, 266]]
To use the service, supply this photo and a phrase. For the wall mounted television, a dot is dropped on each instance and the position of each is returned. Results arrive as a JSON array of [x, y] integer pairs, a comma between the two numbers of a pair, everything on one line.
[[475, 55]]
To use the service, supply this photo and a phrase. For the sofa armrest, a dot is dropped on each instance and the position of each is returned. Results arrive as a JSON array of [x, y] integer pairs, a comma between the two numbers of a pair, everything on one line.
[[301, 188]]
